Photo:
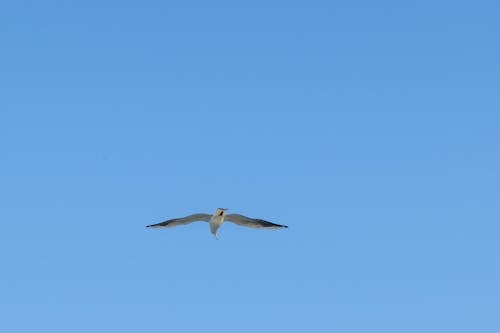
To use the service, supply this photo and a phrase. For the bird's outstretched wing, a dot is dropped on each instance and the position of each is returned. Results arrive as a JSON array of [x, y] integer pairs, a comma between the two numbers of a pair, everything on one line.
[[181, 221], [252, 223]]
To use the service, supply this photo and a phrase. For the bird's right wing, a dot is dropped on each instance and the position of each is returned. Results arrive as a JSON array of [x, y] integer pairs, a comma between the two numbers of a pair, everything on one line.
[[181, 221], [252, 223]]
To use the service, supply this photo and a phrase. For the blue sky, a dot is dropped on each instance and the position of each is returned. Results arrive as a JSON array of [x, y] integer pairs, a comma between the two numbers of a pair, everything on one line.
[[371, 129]]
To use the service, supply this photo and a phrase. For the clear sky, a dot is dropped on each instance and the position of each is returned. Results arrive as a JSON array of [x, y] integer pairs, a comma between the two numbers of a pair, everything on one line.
[[371, 128]]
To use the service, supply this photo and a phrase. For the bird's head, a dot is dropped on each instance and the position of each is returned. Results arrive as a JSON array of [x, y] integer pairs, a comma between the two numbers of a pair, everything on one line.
[[221, 211]]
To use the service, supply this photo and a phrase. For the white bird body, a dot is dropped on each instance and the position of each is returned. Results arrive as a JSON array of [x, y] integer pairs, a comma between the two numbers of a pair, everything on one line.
[[215, 221]]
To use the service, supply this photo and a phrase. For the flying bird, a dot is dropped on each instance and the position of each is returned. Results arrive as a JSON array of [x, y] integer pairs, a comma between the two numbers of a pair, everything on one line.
[[216, 220]]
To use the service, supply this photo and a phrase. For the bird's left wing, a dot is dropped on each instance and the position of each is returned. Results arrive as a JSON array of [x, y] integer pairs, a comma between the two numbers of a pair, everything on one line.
[[252, 223], [181, 221]]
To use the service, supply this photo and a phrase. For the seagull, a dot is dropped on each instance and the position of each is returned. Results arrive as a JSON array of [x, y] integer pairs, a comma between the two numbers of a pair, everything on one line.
[[216, 220]]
